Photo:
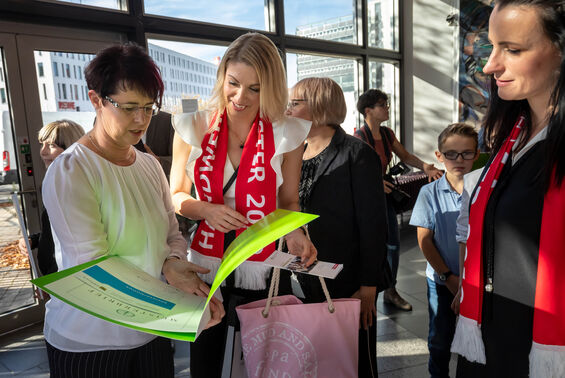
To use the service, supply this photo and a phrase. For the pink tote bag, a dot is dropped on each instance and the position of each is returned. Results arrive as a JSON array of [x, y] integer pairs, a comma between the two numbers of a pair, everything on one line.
[[283, 337]]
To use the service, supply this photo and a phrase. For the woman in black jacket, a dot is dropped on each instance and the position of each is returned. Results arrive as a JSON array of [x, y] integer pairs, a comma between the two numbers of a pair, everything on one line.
[[351, 229]]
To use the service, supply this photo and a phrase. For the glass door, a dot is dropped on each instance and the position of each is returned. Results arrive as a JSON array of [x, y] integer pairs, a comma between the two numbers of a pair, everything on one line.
[[41, 80]]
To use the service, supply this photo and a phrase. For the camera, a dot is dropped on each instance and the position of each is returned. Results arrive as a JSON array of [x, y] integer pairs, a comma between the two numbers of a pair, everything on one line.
[[395, 170]]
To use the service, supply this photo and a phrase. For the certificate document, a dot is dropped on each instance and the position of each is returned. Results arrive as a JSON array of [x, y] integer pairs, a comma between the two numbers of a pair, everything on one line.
[[117, 291]]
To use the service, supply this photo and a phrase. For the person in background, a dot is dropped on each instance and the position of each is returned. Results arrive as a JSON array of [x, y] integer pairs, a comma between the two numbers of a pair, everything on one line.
[[243, 155], [351, 229], [512, 314], [435, 213], [374, 105], [106, 198], [159, 140], [54, 138]]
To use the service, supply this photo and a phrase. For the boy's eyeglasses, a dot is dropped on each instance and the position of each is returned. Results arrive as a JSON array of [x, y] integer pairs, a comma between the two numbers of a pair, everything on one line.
[[453, 155], [129, 109], [294, 103], [384, 104]]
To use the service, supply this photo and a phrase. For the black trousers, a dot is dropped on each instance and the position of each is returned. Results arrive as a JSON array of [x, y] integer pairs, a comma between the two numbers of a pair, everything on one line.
[[154, 359]]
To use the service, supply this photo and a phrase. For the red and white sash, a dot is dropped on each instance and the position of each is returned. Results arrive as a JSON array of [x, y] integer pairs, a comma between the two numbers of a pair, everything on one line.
[[255, 186], [547, 356]]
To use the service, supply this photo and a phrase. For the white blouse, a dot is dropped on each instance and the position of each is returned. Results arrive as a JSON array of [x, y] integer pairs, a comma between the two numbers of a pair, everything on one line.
[[97, 208], [289, 133]]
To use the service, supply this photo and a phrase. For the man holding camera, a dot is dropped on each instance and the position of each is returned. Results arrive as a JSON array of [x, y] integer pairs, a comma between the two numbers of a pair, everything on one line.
[[374, 105]]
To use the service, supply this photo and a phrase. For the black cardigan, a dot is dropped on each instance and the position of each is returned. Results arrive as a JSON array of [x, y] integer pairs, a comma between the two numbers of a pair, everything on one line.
[[348, 195]]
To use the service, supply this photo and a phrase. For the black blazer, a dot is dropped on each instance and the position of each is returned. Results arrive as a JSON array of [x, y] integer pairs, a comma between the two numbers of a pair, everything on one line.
[[348, 195]]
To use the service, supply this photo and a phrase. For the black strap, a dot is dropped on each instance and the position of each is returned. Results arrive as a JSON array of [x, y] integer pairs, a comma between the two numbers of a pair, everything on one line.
[[224, 190], [230, 181], [387, 144]]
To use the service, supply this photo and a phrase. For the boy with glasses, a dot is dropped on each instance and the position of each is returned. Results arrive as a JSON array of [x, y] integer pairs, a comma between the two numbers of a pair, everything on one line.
[[435, 215]]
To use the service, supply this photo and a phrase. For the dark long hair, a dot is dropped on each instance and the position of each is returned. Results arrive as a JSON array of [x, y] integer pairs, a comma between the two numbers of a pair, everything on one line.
[[501, 114]]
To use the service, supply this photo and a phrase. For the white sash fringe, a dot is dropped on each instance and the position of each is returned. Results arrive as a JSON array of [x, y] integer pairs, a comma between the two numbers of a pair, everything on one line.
[[468, 341], [250, 275], [547, 361]]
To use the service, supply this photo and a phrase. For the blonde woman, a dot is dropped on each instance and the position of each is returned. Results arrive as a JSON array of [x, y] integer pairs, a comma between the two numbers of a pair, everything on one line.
[[246, 131], [54, 138]]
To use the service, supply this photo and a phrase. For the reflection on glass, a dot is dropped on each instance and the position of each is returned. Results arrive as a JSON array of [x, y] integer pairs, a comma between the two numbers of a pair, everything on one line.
[[15, 289], [383, 23], [188, 71], [341, 70], [62, 89], [248, 14], [385, 76], [331, 20], [112, 4]]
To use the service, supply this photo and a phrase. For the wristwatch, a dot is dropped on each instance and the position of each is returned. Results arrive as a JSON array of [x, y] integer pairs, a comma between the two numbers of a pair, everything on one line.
[[444, 276]]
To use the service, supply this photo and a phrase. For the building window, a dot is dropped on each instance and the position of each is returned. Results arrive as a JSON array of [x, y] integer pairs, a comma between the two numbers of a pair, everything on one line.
[[3, 95], [40, 69], [62, 70], [59, 90], [44, 91], [76, 92], [68, 71], [64, 91], [55, 69]]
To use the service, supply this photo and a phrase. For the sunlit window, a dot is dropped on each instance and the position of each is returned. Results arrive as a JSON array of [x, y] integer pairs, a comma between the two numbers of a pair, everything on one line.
[[249, 14]]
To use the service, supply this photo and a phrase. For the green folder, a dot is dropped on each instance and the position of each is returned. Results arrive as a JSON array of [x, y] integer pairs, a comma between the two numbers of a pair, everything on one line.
[[112, 289]]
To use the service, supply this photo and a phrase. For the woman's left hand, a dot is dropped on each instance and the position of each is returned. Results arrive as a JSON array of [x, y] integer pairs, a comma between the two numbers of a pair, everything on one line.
[[367, 294], [299, 245], [182, 275], [432, 172]]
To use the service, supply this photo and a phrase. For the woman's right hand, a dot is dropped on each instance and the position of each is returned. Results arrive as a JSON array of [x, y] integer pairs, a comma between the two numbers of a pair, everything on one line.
[[389, 186], [223, 218]]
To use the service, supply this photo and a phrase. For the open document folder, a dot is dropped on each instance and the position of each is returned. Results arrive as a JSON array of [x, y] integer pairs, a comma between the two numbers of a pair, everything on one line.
[[114, 290]]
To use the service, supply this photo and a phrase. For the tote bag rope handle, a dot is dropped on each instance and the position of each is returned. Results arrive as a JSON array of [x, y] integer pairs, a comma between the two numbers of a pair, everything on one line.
[[274, 288]]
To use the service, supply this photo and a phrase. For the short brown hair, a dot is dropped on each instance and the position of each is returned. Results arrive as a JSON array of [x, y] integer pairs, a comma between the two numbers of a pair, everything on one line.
[[458, 128], [63, 133], [259, 52], [325, 100]]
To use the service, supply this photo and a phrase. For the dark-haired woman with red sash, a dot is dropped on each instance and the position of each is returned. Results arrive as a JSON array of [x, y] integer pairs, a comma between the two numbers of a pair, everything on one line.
[[245, 135], [512, 312]]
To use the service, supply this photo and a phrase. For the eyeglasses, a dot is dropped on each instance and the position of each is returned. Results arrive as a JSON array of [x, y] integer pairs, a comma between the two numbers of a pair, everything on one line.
[[454, 155], [294, 103], [385, 104], [130, 109]]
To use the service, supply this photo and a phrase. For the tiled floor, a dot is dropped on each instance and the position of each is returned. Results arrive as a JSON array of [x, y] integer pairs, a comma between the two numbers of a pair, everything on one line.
[[15, 289], [401, 346]]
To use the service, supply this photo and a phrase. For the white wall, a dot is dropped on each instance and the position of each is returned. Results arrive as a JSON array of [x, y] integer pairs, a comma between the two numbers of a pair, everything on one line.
[[432, 74]]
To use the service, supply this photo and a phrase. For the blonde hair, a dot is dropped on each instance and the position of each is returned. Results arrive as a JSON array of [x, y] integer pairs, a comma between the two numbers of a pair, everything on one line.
[[259, 52], [324, 98], [63, 133]]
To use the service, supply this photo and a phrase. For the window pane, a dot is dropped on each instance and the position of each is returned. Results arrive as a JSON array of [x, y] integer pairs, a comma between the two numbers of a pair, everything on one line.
[[15, 289], [385, 77], [343, 71], [331, 20], [188, 71], [383, 23], [249, 14], [59, 94], [112, 4]]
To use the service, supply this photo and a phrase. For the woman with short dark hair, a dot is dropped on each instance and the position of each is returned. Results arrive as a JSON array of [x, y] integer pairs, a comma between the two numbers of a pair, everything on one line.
[[106, 198], [373, 105]]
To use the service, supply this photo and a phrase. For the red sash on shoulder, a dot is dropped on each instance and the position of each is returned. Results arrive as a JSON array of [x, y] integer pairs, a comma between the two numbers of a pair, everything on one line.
[[255, 186]]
